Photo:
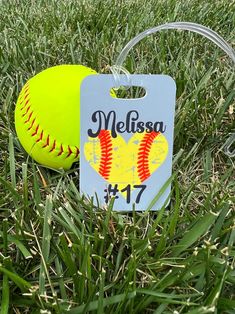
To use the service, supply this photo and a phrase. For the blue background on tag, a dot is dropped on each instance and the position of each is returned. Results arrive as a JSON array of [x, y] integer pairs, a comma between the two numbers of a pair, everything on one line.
[[157, 105]]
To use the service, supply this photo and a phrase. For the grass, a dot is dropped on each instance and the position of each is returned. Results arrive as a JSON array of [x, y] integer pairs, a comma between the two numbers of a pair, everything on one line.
[[58, 254]]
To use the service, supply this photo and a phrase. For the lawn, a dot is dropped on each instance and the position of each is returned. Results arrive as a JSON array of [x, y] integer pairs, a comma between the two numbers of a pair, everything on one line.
[[60, 254]]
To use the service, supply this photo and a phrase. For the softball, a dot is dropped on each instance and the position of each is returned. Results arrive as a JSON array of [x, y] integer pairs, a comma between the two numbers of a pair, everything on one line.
[[47, 115]]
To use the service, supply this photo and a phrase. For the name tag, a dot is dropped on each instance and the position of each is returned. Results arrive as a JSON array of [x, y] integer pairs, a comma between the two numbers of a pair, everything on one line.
[[127, 144]]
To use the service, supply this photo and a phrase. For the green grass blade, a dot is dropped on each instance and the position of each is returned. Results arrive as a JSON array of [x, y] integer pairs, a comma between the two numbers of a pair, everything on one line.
[[12, 161], [200, 228], [5, 295], [20, 282], [106, 302], [45, 244], [19, 244]]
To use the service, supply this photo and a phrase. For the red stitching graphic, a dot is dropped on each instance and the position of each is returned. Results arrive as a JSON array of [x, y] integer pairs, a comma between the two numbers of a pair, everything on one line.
[[24, 103], [143, 155], [106, 153]]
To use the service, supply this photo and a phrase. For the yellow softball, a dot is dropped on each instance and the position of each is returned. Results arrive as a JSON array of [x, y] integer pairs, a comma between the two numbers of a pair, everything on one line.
[[47, 115]]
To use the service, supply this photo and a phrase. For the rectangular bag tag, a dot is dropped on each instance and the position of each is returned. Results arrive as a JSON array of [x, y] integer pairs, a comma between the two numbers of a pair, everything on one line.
[[127, 144]]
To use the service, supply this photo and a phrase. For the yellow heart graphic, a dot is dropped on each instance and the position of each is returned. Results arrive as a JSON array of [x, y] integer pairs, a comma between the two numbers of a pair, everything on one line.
[[124, 163]]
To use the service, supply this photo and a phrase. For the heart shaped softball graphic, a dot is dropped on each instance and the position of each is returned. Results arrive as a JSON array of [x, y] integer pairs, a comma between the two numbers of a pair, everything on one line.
[[120, 162]]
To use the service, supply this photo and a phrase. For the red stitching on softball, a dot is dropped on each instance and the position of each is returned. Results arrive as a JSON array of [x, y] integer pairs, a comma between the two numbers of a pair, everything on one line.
[[26, 92], [36, 131], [77, 152], [47, 142], [31, 124], [40, 138], [53, 147], [70, 151], [27, 110], [24, 100], [106, 153], [24, 104], [29, 117], [61, 150], [143, 155]]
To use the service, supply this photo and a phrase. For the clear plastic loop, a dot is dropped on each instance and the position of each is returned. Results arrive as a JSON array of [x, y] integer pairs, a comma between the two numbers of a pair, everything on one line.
[[228, 146], [194, 27], [116, 70]]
